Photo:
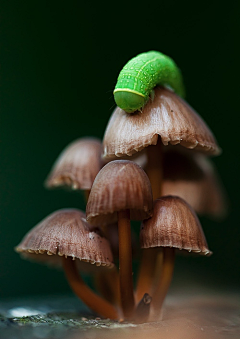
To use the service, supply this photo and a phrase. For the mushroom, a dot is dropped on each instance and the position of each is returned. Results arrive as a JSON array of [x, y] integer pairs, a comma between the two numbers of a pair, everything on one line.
[[121, 191], [66, 235], [167, 116], [77, 165], [174, 225]]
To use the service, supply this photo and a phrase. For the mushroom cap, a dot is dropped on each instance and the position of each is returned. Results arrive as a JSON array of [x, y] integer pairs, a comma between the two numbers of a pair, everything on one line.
[[66, 233], [167, 116], [192, 176], [120, 185], [174, 224], [77, 165]]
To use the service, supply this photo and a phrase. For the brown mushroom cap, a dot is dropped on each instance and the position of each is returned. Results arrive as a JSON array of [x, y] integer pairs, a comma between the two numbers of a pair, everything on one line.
[[192, 176], [66, 233], [120, 185], [174, 224], [78, 165], [167, 116]]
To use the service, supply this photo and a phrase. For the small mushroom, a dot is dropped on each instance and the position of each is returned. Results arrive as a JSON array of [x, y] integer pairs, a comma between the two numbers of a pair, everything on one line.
[[77, 165], [121, 191], [66, 234], [174, 225]]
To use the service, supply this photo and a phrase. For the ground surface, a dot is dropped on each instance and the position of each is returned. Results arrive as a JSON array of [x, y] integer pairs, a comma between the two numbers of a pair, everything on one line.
[[187, 316]]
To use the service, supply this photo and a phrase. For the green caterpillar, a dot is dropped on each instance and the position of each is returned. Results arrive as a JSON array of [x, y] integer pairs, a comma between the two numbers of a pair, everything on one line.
[[141, 74]]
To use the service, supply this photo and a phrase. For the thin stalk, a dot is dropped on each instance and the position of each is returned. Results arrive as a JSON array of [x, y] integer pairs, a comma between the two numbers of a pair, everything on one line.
[[146, 272], [113, 283], [92, 300], [125, 263], [154, 168], [157, 269], [154, 172], [107, 283], [165, 280]]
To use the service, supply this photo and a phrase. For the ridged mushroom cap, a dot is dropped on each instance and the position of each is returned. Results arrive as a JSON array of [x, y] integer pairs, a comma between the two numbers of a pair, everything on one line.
[[192, 176], [167, 116], [120, 185], [66, 233], [78, 165], [174, 224]]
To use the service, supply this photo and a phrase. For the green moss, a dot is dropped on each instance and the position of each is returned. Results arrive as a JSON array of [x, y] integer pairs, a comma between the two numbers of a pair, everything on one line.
[[72, 320], [52, 325]]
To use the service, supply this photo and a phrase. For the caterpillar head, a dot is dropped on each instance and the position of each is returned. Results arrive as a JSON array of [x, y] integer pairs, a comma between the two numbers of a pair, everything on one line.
[[128, 100]]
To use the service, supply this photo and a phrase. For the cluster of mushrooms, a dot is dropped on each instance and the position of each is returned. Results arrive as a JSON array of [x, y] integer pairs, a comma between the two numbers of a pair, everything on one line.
[[166, 180]]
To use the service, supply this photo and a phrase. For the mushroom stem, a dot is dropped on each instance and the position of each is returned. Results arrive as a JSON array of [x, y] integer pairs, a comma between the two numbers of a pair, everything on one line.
[[92, 300], [154, 172], [146, 272], [113, 282], [154, 168], [107, 283], [157, 269], [125, 263], [165, 280]]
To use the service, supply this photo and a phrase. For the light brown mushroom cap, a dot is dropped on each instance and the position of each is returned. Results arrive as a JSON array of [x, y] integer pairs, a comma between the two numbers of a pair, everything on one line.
[[120, 185], [78, 165], [174, 224], [192, 176], [66, 233], [167, 116]]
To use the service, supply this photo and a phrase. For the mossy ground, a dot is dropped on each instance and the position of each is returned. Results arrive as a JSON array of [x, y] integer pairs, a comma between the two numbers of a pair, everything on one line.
[[55, 325], [184, 317]]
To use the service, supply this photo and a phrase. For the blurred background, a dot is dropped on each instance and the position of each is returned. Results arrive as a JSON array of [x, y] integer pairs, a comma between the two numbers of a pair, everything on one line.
[[59, 65]]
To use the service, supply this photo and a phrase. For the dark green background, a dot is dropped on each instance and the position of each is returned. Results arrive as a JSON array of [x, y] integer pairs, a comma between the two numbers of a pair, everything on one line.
[[59, 64]]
